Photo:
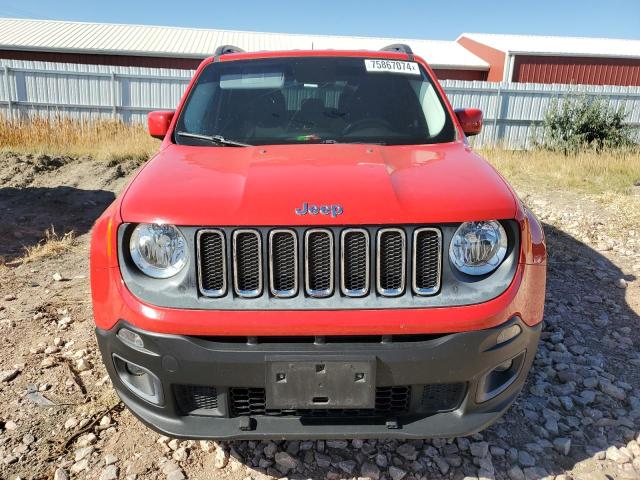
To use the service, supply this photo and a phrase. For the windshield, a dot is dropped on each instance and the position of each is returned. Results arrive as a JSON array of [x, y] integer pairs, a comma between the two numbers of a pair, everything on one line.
[[313, 100]]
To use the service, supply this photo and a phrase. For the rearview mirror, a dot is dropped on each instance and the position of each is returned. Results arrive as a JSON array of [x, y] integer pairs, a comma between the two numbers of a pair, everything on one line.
[[159, 122], [470, 120]]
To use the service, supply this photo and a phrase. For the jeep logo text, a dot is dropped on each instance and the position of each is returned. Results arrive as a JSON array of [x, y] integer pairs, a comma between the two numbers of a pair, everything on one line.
[[308, 208]]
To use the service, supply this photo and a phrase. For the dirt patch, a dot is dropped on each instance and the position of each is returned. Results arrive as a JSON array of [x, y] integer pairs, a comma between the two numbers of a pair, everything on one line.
[[579, 413]]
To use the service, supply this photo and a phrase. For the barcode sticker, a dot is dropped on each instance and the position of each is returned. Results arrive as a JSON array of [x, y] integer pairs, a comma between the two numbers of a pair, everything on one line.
[[393, 66]]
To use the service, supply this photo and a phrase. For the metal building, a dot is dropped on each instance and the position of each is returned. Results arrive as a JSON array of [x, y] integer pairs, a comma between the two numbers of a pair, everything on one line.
[[184, 48], [565, 60]]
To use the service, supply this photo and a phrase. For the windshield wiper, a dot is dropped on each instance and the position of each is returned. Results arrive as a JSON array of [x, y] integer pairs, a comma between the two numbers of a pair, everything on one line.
[[217, 139]]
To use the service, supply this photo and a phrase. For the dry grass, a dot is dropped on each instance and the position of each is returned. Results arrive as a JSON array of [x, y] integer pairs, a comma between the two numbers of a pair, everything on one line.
[[589, 172], [51, 245], [101, 140]]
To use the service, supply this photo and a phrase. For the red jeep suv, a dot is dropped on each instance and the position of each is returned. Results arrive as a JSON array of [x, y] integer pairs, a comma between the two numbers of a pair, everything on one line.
[[316, 252]]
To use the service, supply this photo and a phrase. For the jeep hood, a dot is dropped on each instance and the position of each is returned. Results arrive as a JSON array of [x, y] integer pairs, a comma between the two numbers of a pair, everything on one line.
[[263, 185]]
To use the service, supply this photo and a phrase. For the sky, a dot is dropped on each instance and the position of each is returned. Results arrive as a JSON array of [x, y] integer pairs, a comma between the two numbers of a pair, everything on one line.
[[425, 19]]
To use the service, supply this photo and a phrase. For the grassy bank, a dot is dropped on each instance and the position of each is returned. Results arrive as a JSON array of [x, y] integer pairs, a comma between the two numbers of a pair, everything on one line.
[[609, 172], [589, 172], [101, 140]]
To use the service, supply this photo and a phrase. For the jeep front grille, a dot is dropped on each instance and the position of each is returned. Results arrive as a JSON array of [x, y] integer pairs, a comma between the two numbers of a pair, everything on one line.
[[319, 268], [354, 256], [283, 263], [391, 261], [247, 263], [427, 252], [213, 261], [319, 262]]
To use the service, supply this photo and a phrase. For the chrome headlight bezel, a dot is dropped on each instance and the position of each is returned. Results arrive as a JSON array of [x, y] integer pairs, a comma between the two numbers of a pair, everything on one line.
[[489, 259], [172, 242]]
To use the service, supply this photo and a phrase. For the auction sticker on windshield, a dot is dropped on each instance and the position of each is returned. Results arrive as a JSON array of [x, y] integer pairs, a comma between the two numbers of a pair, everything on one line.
[[394, 66]]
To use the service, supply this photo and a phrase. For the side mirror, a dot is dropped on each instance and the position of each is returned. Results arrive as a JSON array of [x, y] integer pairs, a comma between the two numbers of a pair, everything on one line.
[[159, 122], [470, 120]]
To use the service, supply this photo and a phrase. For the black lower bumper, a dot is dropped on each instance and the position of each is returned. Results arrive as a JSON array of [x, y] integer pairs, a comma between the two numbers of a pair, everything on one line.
[[214, 388]]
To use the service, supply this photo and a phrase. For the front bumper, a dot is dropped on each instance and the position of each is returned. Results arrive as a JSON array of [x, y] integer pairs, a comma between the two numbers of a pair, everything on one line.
[[414, 364]]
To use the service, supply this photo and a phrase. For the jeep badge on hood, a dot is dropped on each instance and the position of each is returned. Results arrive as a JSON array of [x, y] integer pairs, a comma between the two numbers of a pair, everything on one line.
[[308, 208]]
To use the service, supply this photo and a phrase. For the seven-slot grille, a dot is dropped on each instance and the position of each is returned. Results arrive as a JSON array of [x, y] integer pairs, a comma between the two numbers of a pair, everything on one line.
[[320, 262]]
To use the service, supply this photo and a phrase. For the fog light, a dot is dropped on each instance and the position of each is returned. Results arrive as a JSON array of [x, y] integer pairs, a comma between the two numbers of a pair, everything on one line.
[[508, 333], [503, 367], [134, 370], [501, 377], [139, 380], [130, 338]]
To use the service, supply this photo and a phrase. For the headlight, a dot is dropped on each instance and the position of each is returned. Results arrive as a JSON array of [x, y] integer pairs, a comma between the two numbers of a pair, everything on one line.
[[478, 248], [158, 250]]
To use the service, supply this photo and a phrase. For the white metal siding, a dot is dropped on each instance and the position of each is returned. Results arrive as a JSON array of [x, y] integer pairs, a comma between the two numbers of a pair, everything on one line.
[[511, 110]]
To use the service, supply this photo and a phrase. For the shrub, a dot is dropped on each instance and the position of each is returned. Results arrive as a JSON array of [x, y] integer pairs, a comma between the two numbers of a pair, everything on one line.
[[578, 124]]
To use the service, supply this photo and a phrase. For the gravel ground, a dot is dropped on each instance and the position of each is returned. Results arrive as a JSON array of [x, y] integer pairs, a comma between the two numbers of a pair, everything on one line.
[[578, 416]]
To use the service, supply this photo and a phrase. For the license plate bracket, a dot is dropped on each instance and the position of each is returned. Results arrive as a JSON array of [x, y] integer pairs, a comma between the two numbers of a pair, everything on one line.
[[320, 383]]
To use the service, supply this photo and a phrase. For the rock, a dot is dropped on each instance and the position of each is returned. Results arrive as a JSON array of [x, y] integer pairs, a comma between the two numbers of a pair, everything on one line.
[[10, 425], [48, 362], [396, 473], [60, 474], [381, 460], [71, 423], [479, 449], [7, 375], [562, 445], [83, 453], [28, 439], [285, 462], [110, 459], [369, 470], [338, 444], [621, 283], [535, 473], [616, 455], [516, 473], [525, 459], [176, 475], [322, 460], [86, 440], [551, 426], [169, 467], [9, 297], [180, 455], [221, 458], [58, 277], [442, 464], [407, 451], [109, 473], [206, 445], [82, 365], [610, 389], [105, 422], [347, 466], [270, 450], [80, 466], [497, 451]]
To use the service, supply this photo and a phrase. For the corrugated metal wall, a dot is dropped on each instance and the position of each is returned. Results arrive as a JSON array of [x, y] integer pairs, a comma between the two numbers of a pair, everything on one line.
[[512, 110], [576, 70], [88, 91]]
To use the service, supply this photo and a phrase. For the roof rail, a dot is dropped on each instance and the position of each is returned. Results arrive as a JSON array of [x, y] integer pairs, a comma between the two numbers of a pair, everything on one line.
[[398, 47], [226, 49]]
